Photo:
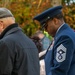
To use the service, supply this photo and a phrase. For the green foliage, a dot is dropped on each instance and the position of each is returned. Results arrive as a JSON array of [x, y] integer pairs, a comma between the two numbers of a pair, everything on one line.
[[69, 13], [47, 35], [25, 10], [31, 28]]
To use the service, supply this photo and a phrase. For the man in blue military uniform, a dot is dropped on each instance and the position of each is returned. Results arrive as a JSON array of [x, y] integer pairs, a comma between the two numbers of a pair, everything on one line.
[[60, 58]]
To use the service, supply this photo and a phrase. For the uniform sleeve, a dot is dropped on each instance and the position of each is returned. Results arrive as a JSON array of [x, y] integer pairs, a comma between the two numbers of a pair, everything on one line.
[[5, 61], [62, 56]]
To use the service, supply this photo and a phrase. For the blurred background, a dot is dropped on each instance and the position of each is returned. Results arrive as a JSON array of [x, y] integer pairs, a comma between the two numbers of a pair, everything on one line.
[[25, 10]]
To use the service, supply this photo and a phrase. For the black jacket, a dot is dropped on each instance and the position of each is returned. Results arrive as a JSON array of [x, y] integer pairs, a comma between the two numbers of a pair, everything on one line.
[[18, 54]]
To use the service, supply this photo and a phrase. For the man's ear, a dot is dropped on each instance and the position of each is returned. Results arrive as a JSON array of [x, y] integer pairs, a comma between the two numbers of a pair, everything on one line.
[[1, 25], [56, 21]]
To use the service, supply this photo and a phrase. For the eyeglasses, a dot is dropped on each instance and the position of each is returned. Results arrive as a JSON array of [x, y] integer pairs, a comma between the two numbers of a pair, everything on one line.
[[45, 25]]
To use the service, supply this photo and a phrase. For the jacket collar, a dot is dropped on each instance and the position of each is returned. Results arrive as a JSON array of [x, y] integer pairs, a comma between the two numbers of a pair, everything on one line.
[[63, 27], [11, 28]]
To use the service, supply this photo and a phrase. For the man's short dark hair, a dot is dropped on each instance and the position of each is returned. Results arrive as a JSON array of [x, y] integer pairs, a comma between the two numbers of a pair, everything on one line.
[[59, 16]]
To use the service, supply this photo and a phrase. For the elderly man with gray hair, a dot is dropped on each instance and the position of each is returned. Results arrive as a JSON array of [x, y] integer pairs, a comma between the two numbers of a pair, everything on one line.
[[18, 54]]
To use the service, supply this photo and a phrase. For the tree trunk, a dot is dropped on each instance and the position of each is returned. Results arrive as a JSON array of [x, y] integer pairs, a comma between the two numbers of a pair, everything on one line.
[[56, 2], [5, 3]]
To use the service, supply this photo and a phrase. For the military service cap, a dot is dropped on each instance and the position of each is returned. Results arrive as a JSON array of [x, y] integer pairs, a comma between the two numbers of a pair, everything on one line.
[[47, 14]]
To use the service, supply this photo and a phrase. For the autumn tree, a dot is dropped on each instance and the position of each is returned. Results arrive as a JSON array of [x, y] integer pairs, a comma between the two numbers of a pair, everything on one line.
[[25, 10]]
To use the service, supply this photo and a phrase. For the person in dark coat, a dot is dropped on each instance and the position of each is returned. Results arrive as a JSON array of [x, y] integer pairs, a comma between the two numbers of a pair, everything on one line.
[[18, 53], [60, 57]]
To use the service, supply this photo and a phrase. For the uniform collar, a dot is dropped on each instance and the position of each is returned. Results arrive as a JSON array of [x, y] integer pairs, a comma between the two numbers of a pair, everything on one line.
[[60, 27]]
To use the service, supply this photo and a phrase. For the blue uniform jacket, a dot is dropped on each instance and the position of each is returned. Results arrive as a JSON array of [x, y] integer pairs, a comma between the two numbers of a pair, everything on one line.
[[60, 58]]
